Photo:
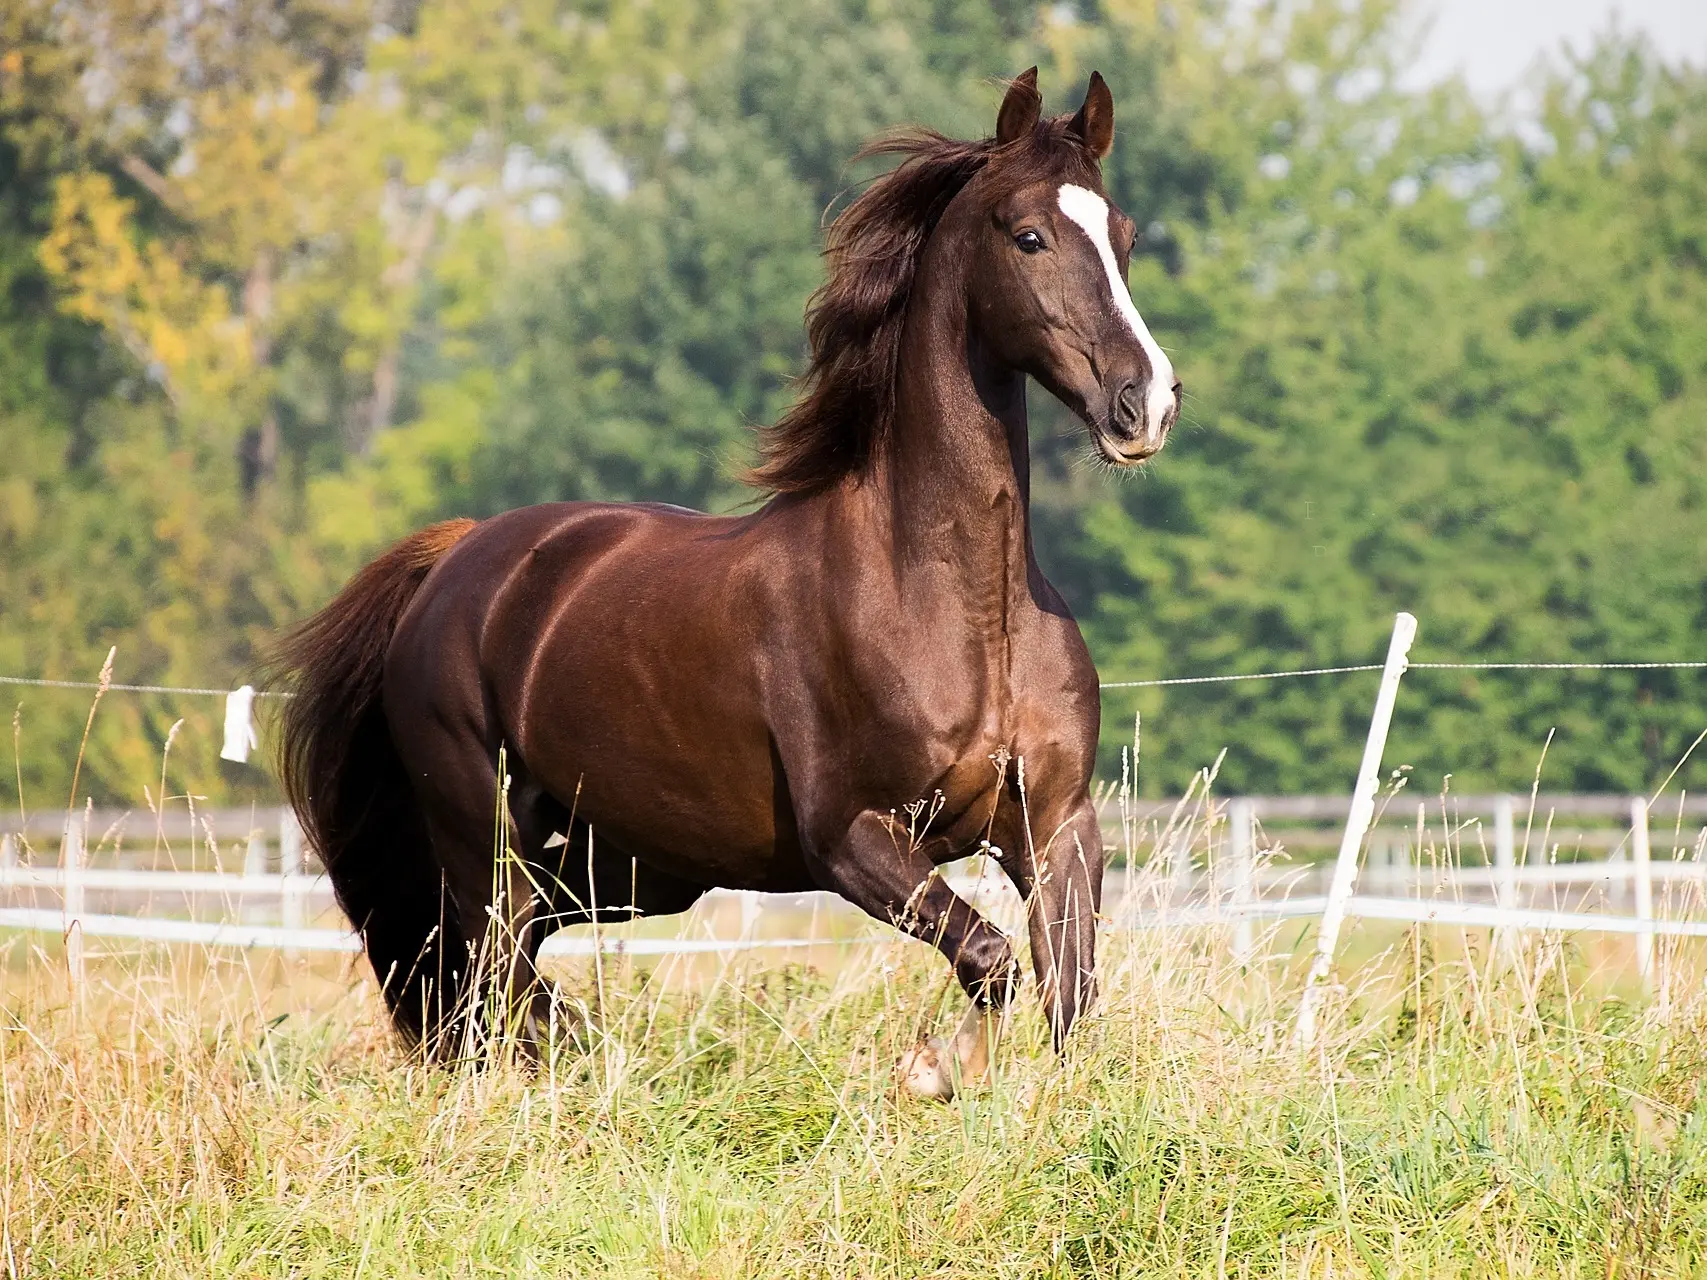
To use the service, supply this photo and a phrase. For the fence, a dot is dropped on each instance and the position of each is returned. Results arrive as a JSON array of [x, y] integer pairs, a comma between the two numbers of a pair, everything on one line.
[[1244, 902], [254, 868]]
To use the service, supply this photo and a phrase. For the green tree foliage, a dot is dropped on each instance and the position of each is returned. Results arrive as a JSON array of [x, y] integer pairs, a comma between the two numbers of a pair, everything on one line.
[[633, 358], [280, 288], [1443, 372], [165, 206], [635, 366]]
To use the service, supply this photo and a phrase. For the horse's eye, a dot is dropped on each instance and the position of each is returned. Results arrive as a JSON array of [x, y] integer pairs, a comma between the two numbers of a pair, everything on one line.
[[1029, 242]]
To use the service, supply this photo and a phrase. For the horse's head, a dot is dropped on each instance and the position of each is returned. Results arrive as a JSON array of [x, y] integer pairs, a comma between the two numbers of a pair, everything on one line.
[[1047, 280]]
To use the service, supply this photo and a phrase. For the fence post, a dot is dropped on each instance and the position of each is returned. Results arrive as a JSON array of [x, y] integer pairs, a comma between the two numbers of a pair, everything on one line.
[[254, 864], [1180, 866], [749, 912], [1617, 883], [71, 902], [1356, 826], [1505, 869], [290, 870], [1644, 874], [255, 854], [8, 852], [1242, 864]]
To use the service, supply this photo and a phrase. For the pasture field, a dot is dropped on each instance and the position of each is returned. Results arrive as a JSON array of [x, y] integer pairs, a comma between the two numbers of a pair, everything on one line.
[[223, 1114]]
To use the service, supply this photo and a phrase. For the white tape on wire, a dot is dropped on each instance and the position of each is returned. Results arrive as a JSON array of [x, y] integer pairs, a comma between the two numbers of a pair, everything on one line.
[[240, 737]]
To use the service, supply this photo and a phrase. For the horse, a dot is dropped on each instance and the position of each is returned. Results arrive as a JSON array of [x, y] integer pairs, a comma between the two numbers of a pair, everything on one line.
[[586, 711]]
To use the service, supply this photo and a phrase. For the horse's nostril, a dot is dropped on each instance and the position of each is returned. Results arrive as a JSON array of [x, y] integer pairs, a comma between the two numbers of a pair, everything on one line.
[[1128, 407]]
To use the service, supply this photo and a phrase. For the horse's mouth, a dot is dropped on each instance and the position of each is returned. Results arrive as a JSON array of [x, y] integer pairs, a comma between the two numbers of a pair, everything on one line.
[[1127, 453]]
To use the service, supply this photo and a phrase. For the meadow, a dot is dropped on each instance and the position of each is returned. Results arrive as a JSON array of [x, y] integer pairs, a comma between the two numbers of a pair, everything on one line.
[[1465, 1113]]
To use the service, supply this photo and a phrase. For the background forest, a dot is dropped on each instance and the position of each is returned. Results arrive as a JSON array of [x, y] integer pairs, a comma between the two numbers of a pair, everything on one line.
[[281, 280]]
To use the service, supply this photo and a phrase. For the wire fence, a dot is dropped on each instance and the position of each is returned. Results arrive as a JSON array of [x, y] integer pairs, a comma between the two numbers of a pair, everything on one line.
[[95, 686], [240, 735], [1409, 666]]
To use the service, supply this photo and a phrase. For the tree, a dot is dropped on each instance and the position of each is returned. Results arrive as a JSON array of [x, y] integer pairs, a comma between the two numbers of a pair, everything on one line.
[[1455, 376], [286, 282]]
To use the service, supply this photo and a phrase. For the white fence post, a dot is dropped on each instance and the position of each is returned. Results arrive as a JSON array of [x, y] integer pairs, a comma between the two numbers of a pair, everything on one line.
[[1505, 868], [1356, 826], [1180, 864], [254, 864], [255, 854], [71, 901], [1241, 867], [290, 870], [8, 851], [1644, 872]]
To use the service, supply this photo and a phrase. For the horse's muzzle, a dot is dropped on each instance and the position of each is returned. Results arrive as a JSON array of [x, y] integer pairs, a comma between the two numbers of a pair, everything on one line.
[[1140, 416]]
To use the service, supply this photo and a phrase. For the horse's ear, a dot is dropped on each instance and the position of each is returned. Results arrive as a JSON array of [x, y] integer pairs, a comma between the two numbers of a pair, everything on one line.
[[1095, 121], [1020, 109]]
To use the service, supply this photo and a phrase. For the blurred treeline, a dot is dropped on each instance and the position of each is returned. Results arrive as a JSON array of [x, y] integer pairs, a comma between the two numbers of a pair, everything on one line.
[[281, 280]]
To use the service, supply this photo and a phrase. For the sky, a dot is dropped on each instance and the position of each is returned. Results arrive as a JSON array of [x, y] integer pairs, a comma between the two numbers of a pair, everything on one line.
[[1493, 42]]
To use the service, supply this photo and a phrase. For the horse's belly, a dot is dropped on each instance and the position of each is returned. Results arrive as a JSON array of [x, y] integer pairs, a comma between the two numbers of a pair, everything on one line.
[[709, 807]]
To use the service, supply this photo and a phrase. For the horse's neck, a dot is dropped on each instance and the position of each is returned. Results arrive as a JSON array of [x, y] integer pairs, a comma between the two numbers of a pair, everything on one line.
[[954, 473]]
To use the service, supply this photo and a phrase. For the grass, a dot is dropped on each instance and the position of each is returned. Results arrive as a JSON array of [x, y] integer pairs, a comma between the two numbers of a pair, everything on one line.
[[205, 1114], [1465, 1112]]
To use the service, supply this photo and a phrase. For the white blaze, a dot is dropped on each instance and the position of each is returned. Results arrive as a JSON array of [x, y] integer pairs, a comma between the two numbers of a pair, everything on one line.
[[1090, 212]]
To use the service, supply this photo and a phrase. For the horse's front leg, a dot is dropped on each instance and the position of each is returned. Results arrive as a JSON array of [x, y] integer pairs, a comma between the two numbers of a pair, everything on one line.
[[876, 867], [1057, 866]]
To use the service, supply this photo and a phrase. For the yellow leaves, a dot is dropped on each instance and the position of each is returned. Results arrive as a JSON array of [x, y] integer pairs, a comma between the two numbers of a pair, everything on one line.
[[279, 197], [293, 214], [89, 247], [177, 326], [249, 177]]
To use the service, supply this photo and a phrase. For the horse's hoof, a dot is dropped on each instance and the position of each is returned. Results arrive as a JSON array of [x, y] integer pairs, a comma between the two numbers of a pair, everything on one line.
[[926, 1070]]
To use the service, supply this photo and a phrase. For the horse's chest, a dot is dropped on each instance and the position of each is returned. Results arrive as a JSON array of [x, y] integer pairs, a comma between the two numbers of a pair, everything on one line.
[[942, 706]]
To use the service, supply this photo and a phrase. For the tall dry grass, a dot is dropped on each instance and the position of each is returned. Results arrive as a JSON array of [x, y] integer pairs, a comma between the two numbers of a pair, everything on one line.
[[240, 1115], [1467, 1111]]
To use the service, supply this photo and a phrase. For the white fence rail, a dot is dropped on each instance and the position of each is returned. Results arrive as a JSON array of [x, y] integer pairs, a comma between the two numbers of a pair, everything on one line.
[[1245, 885]]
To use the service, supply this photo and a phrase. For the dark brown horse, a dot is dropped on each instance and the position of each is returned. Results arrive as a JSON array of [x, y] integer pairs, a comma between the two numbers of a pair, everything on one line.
[[686, 701]]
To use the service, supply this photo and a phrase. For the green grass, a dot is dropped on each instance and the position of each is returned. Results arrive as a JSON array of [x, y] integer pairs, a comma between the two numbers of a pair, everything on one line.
[[250, 1117]]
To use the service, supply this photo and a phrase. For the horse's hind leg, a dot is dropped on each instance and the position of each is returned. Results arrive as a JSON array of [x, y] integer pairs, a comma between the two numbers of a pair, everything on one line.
[[487, 893], [491, 897], [412, 936], [577, 877]]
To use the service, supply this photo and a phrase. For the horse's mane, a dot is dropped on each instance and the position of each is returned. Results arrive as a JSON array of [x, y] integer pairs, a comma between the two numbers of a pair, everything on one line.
[[854, 320]]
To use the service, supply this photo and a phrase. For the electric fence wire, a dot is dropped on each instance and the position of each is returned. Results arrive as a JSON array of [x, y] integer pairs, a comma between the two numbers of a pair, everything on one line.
[[1412, 666], [183, 691], [130, 688]]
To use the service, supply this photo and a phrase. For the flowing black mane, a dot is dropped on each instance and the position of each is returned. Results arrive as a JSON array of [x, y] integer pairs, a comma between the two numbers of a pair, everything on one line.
[[854, 320]]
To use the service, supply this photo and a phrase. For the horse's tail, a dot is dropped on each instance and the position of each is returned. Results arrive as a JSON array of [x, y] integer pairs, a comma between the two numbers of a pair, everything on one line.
[[343, 777]]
